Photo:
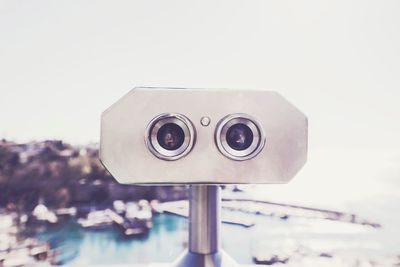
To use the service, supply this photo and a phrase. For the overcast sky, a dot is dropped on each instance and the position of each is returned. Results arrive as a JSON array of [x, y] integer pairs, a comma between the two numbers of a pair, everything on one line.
[[63, 62]]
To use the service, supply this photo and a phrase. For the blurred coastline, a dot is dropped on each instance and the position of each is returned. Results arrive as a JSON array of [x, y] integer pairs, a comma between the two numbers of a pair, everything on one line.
[[61, 175]]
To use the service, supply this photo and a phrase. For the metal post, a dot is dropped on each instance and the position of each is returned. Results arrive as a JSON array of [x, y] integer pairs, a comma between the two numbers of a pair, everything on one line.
[[204, 219], [204, 228]]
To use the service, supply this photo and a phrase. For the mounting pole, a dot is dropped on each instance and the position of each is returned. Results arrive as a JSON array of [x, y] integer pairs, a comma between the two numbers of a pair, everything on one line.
[[204, 219], [204, 228]]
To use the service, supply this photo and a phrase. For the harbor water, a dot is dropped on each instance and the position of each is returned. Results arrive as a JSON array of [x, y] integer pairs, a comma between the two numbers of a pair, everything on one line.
[[295, 238], [166, 240]]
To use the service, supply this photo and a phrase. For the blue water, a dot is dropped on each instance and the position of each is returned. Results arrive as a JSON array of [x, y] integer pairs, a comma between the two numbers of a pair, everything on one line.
[[166, 240]]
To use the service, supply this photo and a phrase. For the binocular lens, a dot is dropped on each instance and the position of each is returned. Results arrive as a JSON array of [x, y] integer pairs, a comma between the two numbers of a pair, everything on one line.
[[170, 136], [239, 136]]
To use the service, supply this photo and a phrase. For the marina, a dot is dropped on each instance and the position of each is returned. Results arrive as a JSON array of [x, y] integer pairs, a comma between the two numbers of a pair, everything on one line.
[[130, 232]]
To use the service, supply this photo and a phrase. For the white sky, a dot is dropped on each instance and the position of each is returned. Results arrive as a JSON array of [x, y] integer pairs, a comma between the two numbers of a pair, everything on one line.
[[63, 62]]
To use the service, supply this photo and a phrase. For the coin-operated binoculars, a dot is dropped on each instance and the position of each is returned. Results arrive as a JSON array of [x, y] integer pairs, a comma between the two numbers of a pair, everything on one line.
[[203, 138]]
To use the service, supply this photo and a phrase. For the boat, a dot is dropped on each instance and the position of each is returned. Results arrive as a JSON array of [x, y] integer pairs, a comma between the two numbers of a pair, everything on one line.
[[270, 259], [40, 252], [25, 253], [96, 220], [42, 215], [137, 220]]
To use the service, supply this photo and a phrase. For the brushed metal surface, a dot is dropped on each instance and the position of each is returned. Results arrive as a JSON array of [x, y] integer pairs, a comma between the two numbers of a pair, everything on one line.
[[124, 153], [204, 218]]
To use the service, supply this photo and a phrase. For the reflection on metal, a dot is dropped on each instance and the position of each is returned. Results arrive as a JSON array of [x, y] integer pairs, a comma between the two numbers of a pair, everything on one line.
[[204, 227], [151, 136], [258, 137], [204, 219]]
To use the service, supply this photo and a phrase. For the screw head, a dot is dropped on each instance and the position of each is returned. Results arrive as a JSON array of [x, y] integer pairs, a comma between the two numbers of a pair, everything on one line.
[[205, 121]]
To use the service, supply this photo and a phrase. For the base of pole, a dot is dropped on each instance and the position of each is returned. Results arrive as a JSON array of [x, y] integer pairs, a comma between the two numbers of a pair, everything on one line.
[[218, 259]]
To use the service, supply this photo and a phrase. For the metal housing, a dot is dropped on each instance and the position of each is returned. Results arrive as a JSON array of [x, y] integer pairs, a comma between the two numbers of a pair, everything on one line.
[[124, 152]]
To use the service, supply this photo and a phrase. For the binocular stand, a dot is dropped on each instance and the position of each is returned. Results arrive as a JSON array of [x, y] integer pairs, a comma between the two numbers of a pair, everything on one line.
[[204, 230]]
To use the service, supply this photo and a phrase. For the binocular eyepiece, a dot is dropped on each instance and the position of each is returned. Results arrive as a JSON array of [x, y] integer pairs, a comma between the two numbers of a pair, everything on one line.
[[171, 136]]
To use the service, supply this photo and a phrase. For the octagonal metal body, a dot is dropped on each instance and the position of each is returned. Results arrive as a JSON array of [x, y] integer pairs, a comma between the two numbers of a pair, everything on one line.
[[124, 153]]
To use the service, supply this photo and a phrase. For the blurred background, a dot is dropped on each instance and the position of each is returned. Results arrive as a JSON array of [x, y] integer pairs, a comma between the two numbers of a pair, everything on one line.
[[62, 63]]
